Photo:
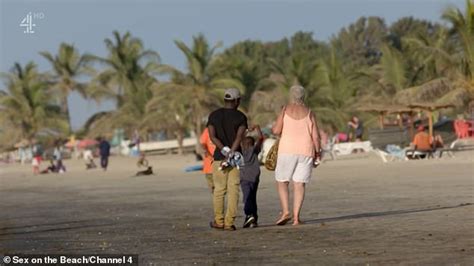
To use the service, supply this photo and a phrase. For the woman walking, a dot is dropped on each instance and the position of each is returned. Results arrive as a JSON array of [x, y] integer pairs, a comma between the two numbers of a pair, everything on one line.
[[299, 148]]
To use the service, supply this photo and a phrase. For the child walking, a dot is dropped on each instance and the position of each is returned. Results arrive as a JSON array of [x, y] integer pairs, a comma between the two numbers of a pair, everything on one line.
[[250, 176]]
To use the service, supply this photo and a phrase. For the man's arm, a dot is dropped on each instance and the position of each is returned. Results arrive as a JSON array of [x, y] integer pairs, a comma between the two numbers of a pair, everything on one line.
[[238, 138], [415, 142], [214, 139]]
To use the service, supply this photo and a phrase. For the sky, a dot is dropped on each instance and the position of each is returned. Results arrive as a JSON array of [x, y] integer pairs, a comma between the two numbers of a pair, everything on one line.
[[158, 23]]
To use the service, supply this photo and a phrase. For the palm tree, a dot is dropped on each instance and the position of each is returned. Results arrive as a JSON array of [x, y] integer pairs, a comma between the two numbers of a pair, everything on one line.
[[433, 56], [384, 79], [202, 84], [462, 28], [335, 92], [244, 62], [451, 81], [29, 105], [127, 79], [68, 65], [169, 110]]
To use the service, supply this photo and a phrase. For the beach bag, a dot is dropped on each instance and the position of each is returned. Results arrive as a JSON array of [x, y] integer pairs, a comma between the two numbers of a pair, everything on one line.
[[271, 159]]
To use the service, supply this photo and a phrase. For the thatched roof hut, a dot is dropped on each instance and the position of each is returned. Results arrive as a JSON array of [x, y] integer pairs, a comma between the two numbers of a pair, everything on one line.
[[430, 108], [428, 92], [439, 91], [381, 110]]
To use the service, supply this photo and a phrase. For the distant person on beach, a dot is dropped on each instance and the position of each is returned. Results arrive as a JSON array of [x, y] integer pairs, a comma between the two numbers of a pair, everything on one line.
[[298, 151], [104, 152], [340, 137], [227, 127], [357, 126], [438, 145], [250, 176], [89, 159], [136, 140], [208, 150], [421, 140], [438, 142], [36, 159], [36, 162], [58, 157], [142, 161], [421, 143], [51, 168]]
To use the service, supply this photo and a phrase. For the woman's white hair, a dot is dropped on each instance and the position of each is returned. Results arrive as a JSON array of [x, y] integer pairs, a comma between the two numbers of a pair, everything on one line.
[[297, 94]]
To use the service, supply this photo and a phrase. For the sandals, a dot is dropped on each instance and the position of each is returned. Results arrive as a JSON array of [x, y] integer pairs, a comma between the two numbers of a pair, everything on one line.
[[283, 220]]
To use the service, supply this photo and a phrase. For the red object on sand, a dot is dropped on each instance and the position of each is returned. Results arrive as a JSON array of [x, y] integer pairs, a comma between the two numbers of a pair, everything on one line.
[[69, 144], [86, 143], [463, 128]]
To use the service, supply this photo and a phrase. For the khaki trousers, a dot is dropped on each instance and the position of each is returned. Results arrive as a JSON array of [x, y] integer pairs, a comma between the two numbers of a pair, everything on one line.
[[225, 182], [210, 182]]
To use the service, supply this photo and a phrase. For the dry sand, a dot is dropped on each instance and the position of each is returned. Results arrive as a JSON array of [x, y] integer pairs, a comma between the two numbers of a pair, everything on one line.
[[357, 211]]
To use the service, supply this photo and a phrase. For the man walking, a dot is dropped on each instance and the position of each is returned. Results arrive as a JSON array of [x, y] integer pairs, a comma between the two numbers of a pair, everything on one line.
[[104, 148], [227, 127]]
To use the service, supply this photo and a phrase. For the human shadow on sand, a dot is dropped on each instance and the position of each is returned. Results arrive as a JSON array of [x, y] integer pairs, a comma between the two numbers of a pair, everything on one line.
[[43, 228], [377, 214], [39, 225]]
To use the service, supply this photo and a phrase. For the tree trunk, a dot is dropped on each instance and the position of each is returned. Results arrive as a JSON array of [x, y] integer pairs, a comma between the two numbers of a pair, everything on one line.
[[381, 119], [65, 111], [198, 132], [430, 122], [180, 137]]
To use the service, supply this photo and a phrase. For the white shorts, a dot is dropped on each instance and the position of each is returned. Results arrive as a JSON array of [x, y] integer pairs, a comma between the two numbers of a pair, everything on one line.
[[297, 168]]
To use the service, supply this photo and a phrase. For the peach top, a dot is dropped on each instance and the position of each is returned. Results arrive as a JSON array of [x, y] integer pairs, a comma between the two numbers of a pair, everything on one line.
[[296, 136]]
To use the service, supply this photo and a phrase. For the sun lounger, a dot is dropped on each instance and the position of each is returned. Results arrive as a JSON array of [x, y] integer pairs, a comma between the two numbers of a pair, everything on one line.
[[392, 153], [417, 154], [456, 146], [347, 148], [387, 157]]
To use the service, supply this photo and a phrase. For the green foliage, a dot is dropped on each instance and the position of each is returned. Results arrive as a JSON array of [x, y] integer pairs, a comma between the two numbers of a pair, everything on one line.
[[28, 106], [127, 79], [199, 87], [462, 30], [67, 66], [367, 62]]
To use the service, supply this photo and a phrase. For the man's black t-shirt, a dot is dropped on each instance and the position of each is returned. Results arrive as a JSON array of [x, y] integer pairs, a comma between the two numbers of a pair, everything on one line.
[[226, 122]]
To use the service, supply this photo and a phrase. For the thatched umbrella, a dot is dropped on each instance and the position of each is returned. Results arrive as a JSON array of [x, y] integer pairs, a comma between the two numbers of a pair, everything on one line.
[[430, 91], [22, 143], [381, 110], [430, 108], [400, 110], [439, 91]]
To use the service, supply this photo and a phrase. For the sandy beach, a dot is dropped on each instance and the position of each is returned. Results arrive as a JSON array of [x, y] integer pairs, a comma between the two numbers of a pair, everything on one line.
[[358, 211]]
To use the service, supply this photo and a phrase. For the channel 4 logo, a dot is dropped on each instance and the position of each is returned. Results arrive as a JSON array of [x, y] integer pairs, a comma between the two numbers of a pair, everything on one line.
[[28, 21]]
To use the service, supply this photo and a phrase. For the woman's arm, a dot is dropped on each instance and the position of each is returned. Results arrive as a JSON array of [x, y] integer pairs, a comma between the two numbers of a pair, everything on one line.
[[315, 134], [278, 126]]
